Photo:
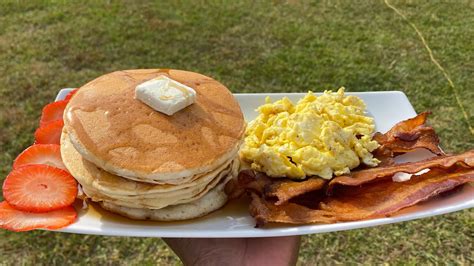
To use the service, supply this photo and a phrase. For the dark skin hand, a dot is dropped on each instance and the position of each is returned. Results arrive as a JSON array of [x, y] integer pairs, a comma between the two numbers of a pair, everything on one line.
[[236, 251]]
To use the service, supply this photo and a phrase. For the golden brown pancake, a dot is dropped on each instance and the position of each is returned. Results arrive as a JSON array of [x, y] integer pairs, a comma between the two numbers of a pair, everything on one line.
[[122, 135], [100, 185], [213, 200]]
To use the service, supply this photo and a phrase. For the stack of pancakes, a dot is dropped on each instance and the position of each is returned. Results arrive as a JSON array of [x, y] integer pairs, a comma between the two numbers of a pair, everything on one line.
[[143, 164]]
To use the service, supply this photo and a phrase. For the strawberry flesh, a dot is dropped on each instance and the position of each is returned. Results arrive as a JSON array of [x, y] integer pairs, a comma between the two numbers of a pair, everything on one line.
[[49, 133], [49, 154], [53, 112], [39, 188], [18, 221]]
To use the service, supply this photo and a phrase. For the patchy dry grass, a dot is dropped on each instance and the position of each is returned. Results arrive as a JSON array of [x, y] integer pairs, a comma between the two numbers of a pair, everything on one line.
[[250, 47]]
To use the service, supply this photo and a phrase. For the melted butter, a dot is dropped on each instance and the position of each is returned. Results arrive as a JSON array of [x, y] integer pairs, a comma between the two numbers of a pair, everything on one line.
[[185, 92], [166, 97]]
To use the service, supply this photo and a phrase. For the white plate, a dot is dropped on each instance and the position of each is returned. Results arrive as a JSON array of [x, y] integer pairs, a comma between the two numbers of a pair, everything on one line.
[[233, 220]]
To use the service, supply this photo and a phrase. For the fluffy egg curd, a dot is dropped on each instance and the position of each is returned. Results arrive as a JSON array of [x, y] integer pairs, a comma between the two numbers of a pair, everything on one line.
[[319, 136]]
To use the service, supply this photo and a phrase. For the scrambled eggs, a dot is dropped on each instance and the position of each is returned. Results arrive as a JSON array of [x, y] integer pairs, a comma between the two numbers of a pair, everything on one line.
[[320, 135]]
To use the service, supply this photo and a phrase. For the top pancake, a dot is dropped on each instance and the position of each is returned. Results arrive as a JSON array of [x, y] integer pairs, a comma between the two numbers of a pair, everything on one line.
[[122, 135]]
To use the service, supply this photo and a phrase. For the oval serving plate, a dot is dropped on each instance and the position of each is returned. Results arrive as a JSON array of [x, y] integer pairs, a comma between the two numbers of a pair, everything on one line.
[[233, 220]]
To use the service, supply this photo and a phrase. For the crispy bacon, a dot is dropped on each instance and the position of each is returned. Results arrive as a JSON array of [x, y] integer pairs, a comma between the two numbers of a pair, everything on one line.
[[285, 190], [369, 175], [266, 212], [247, 180], [406, 129], [406, 136], [281, 190], [385, 156], [425, 137], [358, 203]]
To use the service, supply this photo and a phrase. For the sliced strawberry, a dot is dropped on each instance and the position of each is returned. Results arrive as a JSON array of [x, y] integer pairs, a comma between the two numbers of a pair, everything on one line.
[[49, 154], [70, 94], [49, 133], [53, 112], [39, 188], [18, 221]]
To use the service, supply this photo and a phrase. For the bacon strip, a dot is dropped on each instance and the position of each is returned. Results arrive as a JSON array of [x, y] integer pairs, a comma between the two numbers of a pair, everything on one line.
[[265, 212], [281, 190], [385, 156], [358, 203], [424, 137], [288, 189], [406, 129], [247, 180], [406, 136], [369, 175]]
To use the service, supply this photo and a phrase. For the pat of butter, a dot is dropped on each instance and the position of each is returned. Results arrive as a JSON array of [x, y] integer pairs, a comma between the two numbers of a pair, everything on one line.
[[165, 95]]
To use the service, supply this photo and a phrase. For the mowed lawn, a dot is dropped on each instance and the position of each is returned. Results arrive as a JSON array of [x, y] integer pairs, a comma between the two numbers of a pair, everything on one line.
[[250, 47]]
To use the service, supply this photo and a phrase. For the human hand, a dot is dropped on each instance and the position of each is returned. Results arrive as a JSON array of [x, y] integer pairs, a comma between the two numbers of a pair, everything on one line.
[[236, 251]]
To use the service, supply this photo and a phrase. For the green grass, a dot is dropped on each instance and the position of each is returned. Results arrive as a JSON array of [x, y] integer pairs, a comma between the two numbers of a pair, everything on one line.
[[250, 47]]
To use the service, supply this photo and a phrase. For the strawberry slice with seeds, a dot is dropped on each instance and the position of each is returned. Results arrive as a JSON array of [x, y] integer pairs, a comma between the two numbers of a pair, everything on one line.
[[49, 133], [39, 188], [53, 112], [49, 154], [70, 94], [18, 221]]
